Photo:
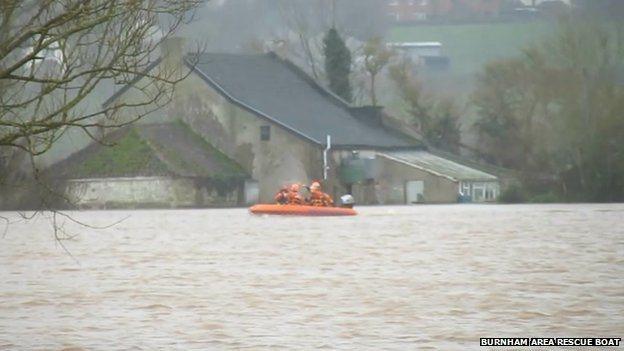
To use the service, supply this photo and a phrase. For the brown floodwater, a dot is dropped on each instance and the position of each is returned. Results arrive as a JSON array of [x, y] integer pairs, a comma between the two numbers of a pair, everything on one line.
[[392, 278]]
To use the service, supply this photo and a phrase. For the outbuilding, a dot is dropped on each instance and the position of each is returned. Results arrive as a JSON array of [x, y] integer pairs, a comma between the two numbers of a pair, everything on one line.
[[150, 166]]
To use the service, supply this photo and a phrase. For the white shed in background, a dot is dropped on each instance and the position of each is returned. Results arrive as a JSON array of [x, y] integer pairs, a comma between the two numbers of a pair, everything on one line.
[[418, 49], [424, 53]]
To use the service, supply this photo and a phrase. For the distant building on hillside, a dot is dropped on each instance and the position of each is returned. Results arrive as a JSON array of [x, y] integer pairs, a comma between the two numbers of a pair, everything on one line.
[[531, 9], [418, 49], [538, 2], [427, 54], [405, 11], [409, 10]]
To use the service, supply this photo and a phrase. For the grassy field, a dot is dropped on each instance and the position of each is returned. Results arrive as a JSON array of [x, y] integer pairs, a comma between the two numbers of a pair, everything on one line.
[[470, 46]]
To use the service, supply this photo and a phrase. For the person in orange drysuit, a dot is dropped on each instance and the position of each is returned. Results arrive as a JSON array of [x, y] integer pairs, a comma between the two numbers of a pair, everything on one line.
[[294, 198], [282, 196], [318, 197]]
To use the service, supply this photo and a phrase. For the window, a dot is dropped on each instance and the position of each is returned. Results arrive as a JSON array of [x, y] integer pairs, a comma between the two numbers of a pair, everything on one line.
[[265, 133], [478, 192]]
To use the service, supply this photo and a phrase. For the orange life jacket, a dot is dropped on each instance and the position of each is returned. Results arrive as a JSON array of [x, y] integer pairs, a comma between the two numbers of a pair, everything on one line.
[[320, 199], [294, 198], [327, 200]]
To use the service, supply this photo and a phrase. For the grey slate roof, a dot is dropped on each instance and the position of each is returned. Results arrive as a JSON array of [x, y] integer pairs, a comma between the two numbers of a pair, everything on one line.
[[276, 90], [434, 164]]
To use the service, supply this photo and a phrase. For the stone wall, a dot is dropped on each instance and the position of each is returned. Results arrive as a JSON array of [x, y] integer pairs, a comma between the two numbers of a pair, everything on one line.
[[147, 192]]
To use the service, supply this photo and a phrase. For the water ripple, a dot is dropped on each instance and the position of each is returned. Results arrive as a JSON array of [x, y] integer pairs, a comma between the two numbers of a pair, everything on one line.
[[393, 278]]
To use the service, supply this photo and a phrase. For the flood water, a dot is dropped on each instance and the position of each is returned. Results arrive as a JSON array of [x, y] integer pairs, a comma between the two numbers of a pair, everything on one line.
[[392, 278]]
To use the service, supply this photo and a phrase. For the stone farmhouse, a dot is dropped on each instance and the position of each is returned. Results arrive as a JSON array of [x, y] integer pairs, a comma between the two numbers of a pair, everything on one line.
[[270, 118]]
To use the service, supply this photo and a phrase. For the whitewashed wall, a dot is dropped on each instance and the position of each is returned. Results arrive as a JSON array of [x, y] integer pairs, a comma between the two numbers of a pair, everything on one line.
[[141, 192]]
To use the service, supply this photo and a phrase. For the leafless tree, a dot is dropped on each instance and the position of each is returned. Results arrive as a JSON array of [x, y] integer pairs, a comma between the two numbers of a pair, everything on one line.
[[309, 20], [302, 18], [56, 55], [376, 57]]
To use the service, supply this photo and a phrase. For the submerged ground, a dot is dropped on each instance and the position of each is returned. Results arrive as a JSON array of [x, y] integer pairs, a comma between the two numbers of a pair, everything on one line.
[[393, 278]]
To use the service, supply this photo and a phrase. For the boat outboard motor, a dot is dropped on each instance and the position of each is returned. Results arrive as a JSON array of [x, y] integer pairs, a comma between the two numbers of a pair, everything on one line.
[[347, 201]]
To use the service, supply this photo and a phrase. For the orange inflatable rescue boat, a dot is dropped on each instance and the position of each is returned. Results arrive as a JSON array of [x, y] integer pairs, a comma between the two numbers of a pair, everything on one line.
[[301, 210], [291, 203]]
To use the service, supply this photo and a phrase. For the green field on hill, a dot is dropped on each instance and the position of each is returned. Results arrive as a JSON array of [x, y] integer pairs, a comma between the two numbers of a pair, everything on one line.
[[470, 46]]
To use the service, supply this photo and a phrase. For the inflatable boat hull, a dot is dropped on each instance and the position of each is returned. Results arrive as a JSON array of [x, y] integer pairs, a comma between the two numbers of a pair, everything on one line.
[[300, 210]]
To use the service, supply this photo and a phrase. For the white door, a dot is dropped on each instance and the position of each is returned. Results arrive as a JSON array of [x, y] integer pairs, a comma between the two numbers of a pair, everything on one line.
[[252, 192], [414, 191]]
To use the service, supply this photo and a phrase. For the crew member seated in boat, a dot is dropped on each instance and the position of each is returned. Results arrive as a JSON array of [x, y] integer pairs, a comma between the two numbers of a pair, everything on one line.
[[282, 196], [318, 197], [294, 198]]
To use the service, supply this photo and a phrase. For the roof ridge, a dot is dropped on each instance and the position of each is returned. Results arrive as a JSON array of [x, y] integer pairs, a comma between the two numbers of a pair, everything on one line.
[[334, 98], [337, 100], [225, 93], [131, 83], [275, 89]]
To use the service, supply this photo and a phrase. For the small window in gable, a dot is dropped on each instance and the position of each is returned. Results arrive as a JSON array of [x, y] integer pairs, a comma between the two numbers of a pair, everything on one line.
[[265, 133]]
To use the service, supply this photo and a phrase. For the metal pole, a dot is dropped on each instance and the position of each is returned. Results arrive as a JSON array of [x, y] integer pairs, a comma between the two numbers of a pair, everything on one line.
[[333, 13], [325, 164]]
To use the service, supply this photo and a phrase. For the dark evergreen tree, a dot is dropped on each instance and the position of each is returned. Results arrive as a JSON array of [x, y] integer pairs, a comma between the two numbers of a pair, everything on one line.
[[337, 64]]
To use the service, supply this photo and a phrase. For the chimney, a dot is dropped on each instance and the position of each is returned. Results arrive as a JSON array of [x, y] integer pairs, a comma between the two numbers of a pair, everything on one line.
[[172, 51], [368, 114]]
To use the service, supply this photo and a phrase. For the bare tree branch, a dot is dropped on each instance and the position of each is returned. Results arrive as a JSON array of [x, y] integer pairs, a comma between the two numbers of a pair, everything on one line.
[[57, 59]]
